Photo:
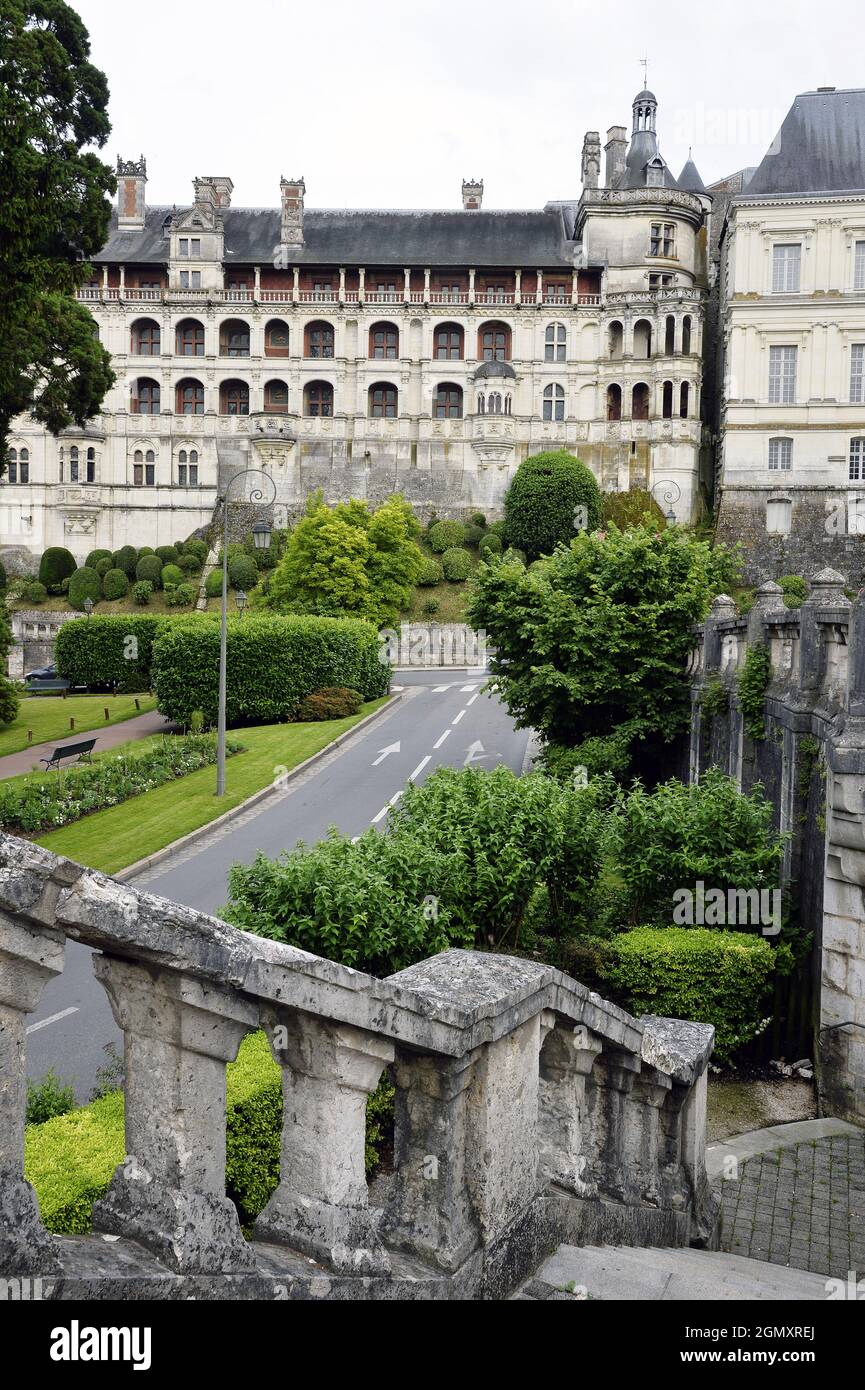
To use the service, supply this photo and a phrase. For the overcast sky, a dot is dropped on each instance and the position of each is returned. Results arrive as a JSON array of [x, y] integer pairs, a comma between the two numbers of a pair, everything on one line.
[[379, 103]]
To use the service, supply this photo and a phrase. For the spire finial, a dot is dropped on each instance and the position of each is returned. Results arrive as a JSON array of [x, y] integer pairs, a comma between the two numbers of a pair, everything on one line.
[[644, 63]]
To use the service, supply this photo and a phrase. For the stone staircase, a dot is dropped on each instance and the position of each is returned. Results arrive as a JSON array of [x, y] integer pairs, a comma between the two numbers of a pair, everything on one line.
[[667, 1275]]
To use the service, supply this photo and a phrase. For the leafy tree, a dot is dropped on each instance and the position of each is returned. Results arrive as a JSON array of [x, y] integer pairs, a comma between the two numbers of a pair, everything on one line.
[[541, 503], [597, 634], [53, 215], [8, 697]]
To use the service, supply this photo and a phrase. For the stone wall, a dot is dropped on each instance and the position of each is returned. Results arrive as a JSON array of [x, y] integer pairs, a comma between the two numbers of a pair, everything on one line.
[[811, 763], [33, 634]]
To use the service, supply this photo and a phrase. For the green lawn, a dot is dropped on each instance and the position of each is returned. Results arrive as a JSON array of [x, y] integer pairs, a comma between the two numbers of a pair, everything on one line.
[[111, 840], [48, 716]]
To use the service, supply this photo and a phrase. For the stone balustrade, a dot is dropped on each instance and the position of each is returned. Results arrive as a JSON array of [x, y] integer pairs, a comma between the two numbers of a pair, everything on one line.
[[528, 1111]]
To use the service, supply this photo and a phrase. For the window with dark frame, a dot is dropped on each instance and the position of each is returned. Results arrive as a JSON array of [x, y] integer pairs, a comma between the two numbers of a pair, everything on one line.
[[448, 343], [383, 341], [318, 398], [145, 338], [189, 398], [382, 401], [190, 338], [554, 402], [448, 402], [319, 340], [234, 398]]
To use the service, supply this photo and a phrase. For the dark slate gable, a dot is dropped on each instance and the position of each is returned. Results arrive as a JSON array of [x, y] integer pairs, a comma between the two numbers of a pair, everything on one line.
[[820, 147], [371, 238]]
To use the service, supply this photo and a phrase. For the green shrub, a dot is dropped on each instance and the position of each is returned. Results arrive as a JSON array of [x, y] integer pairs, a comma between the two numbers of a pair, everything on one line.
[[512, 554], [198, 548], [710, 976], [213, 583], [432, 573], [145, 550], [83, 584], [34, 592], [126, 558], [242, 573], [102, 568], [56, 564], [273, 663], [599, 755], [141, 592], [490, 545], [752, 681], [47, 1098], [497, 529], [478, 519], [794, 589], [473, 536], [445, 534], [456, 565], [150, 567], [333, 702], [190, 564], [115, 584], [542, 501], [171, 575], [431, 606], [167, 554], [95, 556], [635, 508], [180, 595], [114, 651]]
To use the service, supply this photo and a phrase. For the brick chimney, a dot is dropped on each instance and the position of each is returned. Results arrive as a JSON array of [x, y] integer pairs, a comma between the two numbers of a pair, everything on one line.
[[205, 194], [591, 163], [222, 187], [473, 195], [131, 179], [616, 149], [292, 193]]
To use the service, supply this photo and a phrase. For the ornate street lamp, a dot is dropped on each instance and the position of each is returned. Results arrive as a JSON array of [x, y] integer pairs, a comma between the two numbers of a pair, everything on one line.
[[670, 494], [240, 600], [88, 606], [261, 540]]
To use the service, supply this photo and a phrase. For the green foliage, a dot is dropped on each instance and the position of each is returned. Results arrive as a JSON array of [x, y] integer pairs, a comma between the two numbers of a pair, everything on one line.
[[599, 633], [456, 564], [3, 576], [431, 573], [348, 561], [150, 567], [114, 651], [141, 592], [171, 576], [635, 508], [95, 556], [473, 536], [198, 548], [541, 502], [490, 545], [145, 550], [714, 698], [478, 519], [63, 797], [83, 584], [190, 564], [180, 595], [431, 606], [715, 977], [56, 564], [273, 663], [599, 755], [102, 568], [126, 559], [497, 529], [213, 583], [34, 592], [242, 573], [752, 682], [47, 1098], [9, 702], [115, 584], [333, 702], [168, 554], [445, 534], [794, 589]]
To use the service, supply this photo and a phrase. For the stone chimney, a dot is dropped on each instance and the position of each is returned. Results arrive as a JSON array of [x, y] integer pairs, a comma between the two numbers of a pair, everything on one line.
[[473, 195], [591, 164], [616, 149], [292, 192], [205, 194], [222, 187], [131, 178]]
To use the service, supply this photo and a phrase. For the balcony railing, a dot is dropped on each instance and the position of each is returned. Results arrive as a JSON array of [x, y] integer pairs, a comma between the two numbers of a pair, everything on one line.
[[484, 298]]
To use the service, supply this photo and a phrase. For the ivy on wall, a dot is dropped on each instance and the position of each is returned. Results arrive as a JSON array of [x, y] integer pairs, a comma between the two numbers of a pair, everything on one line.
[[752, 682]]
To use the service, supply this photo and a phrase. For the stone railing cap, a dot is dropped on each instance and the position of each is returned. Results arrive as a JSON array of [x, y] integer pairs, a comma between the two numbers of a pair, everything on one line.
[[676, 1046]]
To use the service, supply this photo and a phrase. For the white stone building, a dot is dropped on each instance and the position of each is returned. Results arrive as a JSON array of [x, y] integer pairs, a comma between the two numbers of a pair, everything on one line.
[[793, 323], [366, 352]]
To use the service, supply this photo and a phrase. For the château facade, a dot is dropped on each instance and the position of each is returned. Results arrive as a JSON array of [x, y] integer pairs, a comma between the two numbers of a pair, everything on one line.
[[367, 352]]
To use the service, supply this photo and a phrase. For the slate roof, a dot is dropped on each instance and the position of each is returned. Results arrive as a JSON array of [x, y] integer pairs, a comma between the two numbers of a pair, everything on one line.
[[371, 238], [494, 368], [643, 147], [689, 179], [820, 147]]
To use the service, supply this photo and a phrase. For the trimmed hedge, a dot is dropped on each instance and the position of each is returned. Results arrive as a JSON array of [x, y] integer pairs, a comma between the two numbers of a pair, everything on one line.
[[98, 651], [150, 567], [456, 565], [83, 584], [490, 545], [115, 584], [213, 583], [711, 976], [541, 502], [432, 573], [273, 663], [446, 534], [171, 574], [168, 554], [56, 564], [102, 567], [180, 595], [34, 592], [126, 558], [242, 572], [96, 555]]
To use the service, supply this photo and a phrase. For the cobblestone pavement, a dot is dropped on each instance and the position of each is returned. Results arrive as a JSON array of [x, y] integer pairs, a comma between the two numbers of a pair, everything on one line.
[[802, 1206]]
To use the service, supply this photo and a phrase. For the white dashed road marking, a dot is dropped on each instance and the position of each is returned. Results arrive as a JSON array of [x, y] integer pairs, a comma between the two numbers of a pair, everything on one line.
[[54, 1018], [438, 743], [459, 717], [419, 769]]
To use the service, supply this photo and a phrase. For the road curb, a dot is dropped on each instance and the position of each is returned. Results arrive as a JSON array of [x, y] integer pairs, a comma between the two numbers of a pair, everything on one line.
[[774, 1138], [141, 865]]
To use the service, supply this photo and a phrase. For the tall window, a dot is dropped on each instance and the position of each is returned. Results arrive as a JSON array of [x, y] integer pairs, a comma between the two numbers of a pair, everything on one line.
[[494, 342], [786, 266], [190, 246], [145, 338], [449, 402], [859, 266], [382, 401], [190, 279], [662, 241], [614, 402], [90, 466], [384, 341], [189, 397], [146, 396], [857, 461], [857, 373], [782, 375], [319, 340], [234, 398], [667, 401], [18, 466], [684, 394], [448, 342], [494, 403], [555, 342], [779, 516], [556, 292], [234, 338], [74, 464], [144, 468], [318, 398], [554, 402], [781, 455], [190, 338], [187, 468], [640, 401]]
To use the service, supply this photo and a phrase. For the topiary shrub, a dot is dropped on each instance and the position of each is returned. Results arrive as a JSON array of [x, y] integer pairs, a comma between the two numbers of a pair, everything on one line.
[[543, 501], [242, 572], [150, 567], [478, 519], [34, 592], [95, 556], [99, 651], [635, 508], [141, 592], [171, 575], [445, 534], [490, 545], [180, 595], [332, 702], [513, 554], [456, 565], [83, 584], [145, 550], [497, 529], [115, 584], [794, 589], [56, 564], [190, 564], [103, 566], [126, 558], [473, 536], [432, 573], [213, 583], [711, 976], [168, 554], [196, 547]]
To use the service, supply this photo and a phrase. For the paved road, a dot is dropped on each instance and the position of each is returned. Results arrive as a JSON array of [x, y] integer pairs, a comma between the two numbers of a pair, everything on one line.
[[443, 719]]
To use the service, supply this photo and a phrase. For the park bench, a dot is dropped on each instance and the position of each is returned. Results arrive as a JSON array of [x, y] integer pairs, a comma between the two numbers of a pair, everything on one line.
[[47, 687], [70, 750]]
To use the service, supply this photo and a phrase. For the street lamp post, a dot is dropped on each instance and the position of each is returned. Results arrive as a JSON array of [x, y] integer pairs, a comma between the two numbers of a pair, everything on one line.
[[671, 494], [261, 540], [240, 601]]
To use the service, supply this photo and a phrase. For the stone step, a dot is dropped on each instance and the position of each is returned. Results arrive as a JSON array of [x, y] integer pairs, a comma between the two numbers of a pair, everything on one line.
[[630, 1273]]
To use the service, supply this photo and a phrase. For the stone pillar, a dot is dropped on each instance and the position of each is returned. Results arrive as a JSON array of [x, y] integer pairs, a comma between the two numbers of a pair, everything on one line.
[[518, 286], [295, 285], [471, 284], [29, 957], [361, 285], [169, 1193], [321, 1204], [567, 1058], [642, 1139], [256, 294], [826, 591], [722, 608], [406, 292], [540, 292], [426, 288], [613, 1078], [342, 284]]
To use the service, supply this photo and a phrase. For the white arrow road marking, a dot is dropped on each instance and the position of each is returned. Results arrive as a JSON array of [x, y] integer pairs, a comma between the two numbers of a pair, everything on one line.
[[439, 741], [475, 753], [391, 748], [459, 717], [54, 1018], [419, 769], [465, 688], [397, 687]]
